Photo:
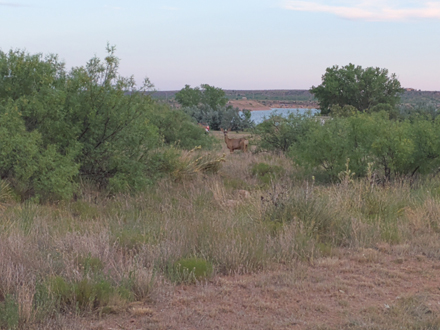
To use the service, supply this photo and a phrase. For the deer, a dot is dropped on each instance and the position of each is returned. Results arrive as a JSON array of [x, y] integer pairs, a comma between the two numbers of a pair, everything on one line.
[[235, 144]]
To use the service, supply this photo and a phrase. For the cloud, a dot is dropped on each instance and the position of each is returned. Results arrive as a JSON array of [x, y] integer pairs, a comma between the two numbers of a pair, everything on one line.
[[372, 10]]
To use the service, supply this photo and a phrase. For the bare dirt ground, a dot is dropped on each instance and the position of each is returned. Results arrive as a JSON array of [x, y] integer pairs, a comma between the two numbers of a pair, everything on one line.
[[351, 289], [270, 104], [248, 105]]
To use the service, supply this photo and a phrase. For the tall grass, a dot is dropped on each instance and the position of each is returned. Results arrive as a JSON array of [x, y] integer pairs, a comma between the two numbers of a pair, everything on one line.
[[97, 254]]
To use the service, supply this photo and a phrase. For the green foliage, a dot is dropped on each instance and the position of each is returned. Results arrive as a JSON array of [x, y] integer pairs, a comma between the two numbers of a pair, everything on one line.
[[176, 128], [278, 133], [130, 238], [191, 269], [9, 313], [345, 111], [394, 147], [85, 295], [221, 117], [5, 193], [56, 126], [313, 213], [208, 105], [191, 164], [32, 167], [208, 96], [266, 173], [83, 210], [89, 264], [27, 213], [189, 97], [358, 87], [213, 96]]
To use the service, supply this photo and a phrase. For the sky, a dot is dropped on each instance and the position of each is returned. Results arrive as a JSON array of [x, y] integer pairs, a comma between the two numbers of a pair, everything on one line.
[[233, 44]]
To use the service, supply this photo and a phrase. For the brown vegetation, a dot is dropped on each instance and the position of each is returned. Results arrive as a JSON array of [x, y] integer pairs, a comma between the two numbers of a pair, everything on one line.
[[294, 255]]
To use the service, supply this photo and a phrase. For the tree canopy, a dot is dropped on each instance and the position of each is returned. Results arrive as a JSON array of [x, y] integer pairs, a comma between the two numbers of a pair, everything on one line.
[[206, 95], [208, 104], [354, 86]]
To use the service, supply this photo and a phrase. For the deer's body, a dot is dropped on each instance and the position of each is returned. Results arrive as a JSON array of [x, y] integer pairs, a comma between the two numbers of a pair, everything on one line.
[[235, 144]]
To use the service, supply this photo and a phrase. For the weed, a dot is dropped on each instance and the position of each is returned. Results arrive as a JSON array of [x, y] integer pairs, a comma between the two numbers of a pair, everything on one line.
[[86, 294], [84, 211], [89, 264], [190, 270], [266, 173], [9, 313], [5, 193], [28, 212], [190, 164]]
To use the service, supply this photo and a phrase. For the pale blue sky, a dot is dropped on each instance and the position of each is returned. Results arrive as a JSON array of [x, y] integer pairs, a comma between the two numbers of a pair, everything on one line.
[[240, 44]]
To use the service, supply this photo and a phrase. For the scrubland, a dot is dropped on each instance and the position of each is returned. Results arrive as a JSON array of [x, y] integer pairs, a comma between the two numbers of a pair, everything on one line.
[[247, 245]]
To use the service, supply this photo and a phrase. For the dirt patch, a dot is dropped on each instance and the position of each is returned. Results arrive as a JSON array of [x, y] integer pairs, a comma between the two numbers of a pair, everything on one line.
[[248, 105], [356, 290]]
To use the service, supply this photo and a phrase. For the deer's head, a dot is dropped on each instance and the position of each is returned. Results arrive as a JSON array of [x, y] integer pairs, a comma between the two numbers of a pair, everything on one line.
[[225, 132]]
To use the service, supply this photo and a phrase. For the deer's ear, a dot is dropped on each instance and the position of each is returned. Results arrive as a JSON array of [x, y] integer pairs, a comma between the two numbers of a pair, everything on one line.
[[221, 129], [229, 130]]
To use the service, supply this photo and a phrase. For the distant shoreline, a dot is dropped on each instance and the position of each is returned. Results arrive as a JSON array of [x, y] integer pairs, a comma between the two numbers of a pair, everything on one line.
[[276, 108], [254, 105]]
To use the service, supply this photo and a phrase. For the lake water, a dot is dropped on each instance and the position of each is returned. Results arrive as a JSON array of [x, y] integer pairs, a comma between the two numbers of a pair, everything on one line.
[[259, 116]]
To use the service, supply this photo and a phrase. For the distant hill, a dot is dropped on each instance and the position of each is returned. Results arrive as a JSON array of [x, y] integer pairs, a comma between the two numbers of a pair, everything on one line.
[[276, 94], [300, 98]]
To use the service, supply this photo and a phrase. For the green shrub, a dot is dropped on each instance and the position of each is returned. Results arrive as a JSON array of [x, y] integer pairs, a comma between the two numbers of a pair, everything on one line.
[[278, 133], [177, 129], [395, 148], [189, 270], [266, 173], [191, 163], [221, 117], [86, 294], [130, 238], [33, 168], [84, 210], [313, 214], [9, 313], [56, 126]]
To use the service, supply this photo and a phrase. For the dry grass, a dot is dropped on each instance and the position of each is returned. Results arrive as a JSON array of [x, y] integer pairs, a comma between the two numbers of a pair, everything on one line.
[[121, 248]]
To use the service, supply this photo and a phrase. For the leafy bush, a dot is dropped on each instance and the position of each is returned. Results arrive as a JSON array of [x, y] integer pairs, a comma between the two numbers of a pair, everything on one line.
[[221, 117], [32, 167], [278, 133], [56, 126], [86, 294], [395, 148], [177, 129], [191, 269]]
